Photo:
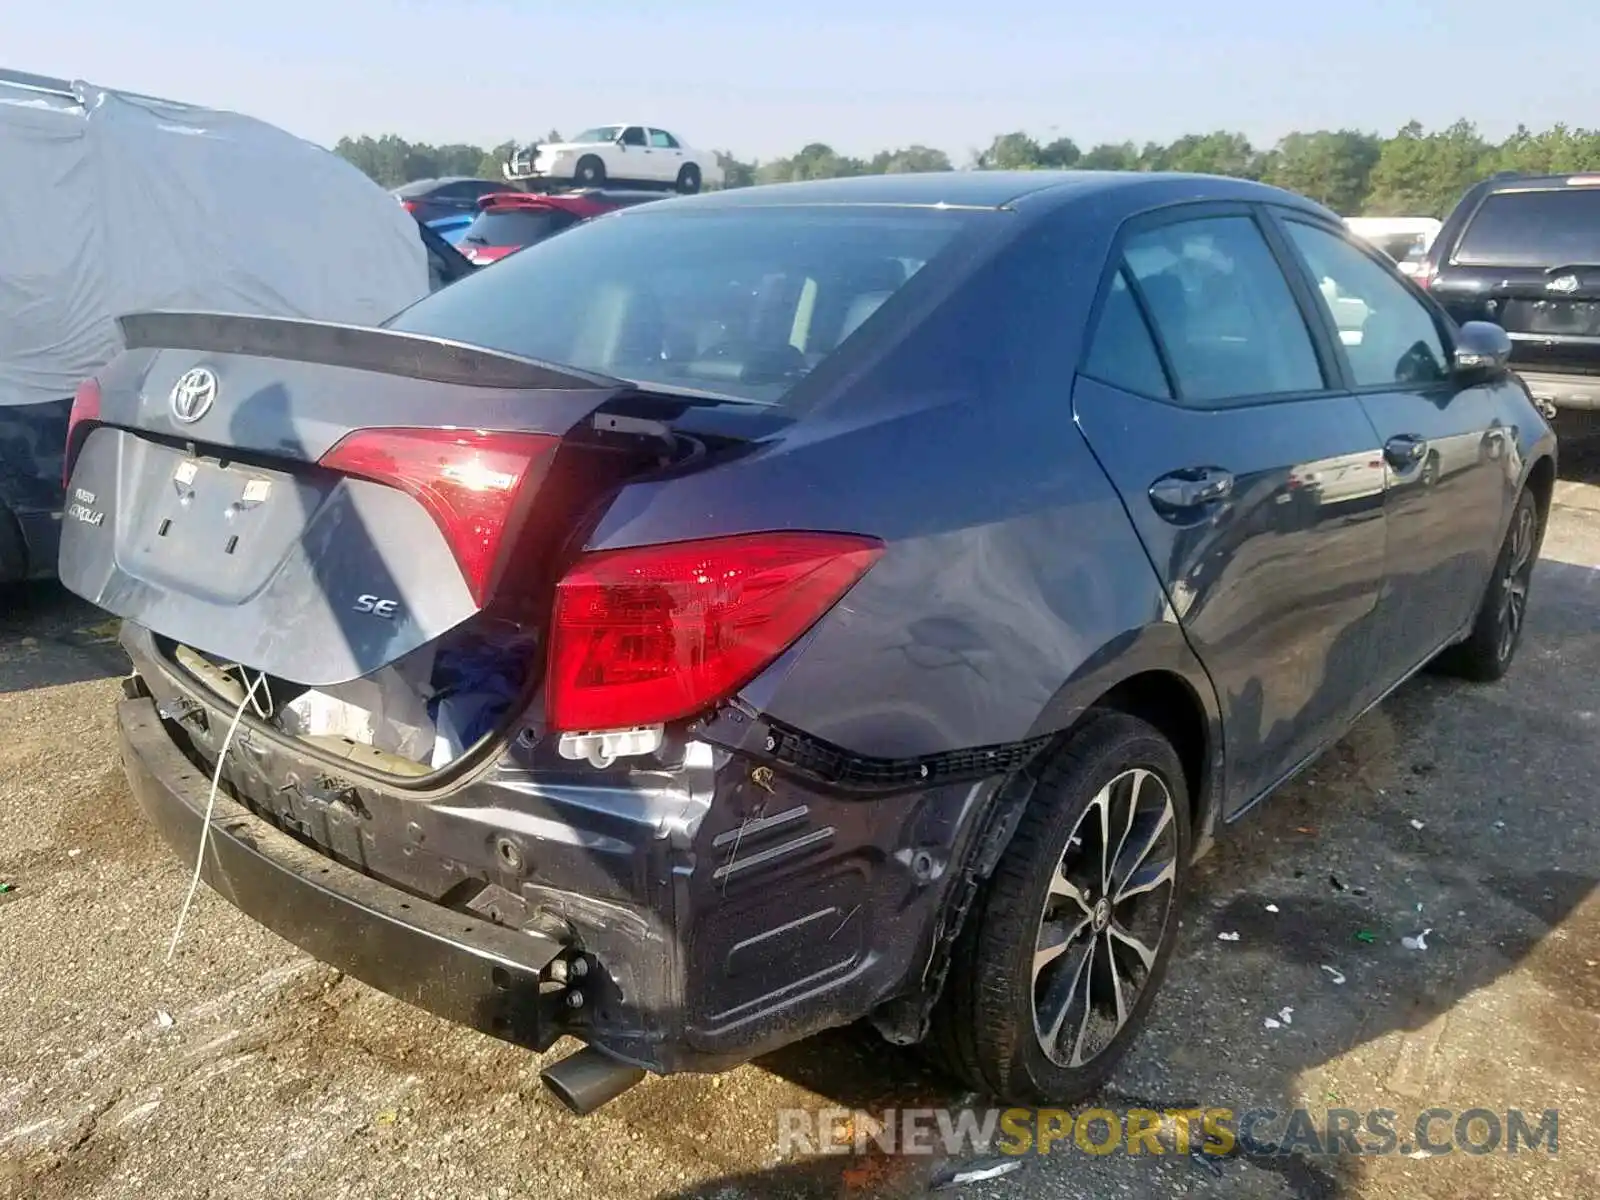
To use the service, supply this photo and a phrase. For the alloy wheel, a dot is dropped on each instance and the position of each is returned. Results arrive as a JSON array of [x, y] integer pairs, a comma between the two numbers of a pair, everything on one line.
[[1105, 915], [1518, 575]]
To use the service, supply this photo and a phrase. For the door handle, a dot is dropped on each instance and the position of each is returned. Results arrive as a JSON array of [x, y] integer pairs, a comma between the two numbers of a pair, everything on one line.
[[1191, 488], [1405, 450]]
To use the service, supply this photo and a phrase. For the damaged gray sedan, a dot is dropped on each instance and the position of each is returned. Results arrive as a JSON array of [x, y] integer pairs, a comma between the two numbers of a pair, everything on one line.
[[755, 612]]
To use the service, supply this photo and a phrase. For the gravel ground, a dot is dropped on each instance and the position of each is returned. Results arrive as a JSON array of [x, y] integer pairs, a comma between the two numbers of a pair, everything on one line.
[[246, 1070]]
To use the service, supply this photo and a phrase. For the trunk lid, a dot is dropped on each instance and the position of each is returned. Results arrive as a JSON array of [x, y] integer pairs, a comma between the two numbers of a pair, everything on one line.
[[225, 497]]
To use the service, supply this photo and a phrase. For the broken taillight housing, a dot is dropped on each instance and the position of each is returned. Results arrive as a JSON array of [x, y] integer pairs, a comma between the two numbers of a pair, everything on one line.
[[85, 416], [472, 482], [651, 634]]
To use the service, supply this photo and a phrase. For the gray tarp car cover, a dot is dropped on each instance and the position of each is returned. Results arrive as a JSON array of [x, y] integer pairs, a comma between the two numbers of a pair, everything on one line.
[[111, 203]]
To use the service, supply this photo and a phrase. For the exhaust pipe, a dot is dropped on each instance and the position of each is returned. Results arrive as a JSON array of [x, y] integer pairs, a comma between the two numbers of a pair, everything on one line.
[[586, 1080]]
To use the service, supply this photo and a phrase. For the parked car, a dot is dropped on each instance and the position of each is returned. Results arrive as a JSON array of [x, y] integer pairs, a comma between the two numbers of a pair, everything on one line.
[[508, 221], [1404, 239], [452, 227], [1524, 252], [114, 202], [636, 154], [430, 199], [747, 614]]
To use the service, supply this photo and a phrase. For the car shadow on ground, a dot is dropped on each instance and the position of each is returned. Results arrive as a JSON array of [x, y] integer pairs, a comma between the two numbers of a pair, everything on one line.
[[49, 638], [1446, 810]]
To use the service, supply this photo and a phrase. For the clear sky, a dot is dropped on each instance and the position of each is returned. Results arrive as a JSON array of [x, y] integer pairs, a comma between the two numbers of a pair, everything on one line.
[[762, 77]]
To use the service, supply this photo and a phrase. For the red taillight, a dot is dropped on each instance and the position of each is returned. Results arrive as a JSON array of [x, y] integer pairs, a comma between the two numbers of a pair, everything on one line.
[[1424, 276], [409, 205], [649, 635], [470, 481], [85, 415]]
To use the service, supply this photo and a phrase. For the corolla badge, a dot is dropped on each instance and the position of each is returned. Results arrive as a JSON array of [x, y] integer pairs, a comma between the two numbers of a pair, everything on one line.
[[1563, 284], [193, 395]]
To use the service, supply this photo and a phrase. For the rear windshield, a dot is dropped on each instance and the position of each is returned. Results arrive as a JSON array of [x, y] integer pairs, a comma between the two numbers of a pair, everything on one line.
[[740, 302], [1550, 228], [516, 226]]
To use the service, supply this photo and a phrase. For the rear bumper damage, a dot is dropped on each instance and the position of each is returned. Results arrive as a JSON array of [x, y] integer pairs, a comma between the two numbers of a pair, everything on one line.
[[686, 915], [460, 968]]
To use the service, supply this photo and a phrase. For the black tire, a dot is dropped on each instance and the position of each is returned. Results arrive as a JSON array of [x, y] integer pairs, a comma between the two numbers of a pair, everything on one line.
[[590, 172], [985, 1028], [688, 179], [1491, 647]]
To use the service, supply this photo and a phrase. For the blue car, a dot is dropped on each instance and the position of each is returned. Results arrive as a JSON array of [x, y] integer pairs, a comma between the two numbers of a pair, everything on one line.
[[749, 613], [452, 228]]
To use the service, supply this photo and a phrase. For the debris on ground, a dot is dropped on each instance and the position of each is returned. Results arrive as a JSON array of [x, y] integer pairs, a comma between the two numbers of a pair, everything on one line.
[[7, 887], [1339, 885], [1416, 824], [1366, 935], [1419, 942], [1306, 829], [74, 853], [1285, 1017], [989, 1168], [1272, 908], [1227, 937], [164, 1019], [1499, 825], [1334, 974]]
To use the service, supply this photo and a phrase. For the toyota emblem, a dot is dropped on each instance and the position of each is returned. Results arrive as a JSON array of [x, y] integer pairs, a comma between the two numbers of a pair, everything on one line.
[[193, 394], [1565, 284]]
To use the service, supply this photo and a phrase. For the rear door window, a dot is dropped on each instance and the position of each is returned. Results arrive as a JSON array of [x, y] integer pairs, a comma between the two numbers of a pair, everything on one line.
[[1550, 227], [517, 226], [1218, 300]]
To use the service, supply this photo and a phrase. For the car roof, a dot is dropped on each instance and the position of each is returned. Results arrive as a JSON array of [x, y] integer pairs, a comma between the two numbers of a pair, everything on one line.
[[418, 187], [1003, 189], [1513, 183]]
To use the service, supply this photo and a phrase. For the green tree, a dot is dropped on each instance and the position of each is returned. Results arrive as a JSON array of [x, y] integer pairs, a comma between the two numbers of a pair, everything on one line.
[[1111, 156], [1060, 154], [1424, 174], [1011, 152], [908, 161], [1331, 167], [815, 161], [1219, 153], [735, 173], [491, 163]]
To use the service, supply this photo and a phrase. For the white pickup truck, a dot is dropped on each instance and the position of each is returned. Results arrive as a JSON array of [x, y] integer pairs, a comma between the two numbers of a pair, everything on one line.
[[633, 154]]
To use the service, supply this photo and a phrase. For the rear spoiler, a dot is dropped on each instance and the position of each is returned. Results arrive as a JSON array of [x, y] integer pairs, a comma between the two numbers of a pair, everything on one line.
[[360, 347]]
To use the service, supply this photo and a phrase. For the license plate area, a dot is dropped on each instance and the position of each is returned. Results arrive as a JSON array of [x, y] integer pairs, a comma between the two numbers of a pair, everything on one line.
[[1558, 318], [210, 528]]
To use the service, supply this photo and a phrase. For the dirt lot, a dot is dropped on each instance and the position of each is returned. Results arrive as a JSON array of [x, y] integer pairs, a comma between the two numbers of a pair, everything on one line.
[[246, 1070]]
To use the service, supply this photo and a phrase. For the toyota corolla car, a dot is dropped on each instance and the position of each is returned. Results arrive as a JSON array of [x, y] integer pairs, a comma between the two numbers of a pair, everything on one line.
[[754, 612]]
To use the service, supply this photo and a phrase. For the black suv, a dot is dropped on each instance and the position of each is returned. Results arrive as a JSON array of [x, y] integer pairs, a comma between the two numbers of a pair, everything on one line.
[[1524, 252]]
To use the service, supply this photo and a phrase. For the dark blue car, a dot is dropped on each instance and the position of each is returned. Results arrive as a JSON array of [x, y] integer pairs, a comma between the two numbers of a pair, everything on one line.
[[749, 613]]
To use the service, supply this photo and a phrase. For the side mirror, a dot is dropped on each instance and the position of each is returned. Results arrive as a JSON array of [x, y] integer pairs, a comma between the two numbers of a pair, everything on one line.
[[1482, 348], [621, 142]]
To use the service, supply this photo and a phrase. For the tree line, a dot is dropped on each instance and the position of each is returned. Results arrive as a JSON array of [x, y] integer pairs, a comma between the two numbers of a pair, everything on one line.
[[1414, 172]]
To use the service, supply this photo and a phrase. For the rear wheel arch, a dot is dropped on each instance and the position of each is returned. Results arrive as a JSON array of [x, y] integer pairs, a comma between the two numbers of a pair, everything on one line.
[[1542, 483], [1169, 702]]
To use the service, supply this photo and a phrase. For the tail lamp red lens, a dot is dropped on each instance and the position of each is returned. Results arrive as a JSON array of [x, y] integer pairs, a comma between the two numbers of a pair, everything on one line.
[[649, 635], [471, 482], [85, 416]]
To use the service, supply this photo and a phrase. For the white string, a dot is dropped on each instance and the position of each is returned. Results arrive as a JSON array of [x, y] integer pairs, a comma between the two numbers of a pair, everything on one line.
[[211, 801]]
